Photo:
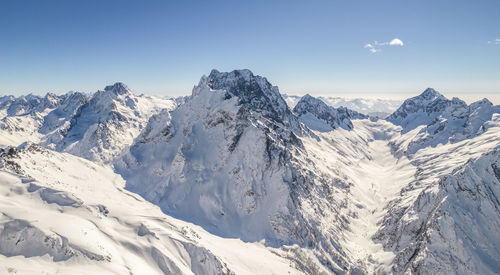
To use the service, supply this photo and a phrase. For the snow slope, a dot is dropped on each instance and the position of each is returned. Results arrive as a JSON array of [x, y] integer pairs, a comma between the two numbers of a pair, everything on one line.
[[63, 214], [446, 220], [433, 211], [380, 179]]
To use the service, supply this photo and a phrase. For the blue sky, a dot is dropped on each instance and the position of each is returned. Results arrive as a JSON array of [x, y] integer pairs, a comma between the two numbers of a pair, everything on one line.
[[163, 47]]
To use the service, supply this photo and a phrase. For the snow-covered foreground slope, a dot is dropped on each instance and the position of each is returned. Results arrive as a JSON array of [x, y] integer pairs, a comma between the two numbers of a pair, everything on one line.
[[60, 214]]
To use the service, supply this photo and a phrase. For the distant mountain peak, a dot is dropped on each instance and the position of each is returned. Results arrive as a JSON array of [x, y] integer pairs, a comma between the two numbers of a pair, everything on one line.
[[430, 94], [308, 97], [312, 111], [481, 102], [246, 73], [422, 109], [118, 88]]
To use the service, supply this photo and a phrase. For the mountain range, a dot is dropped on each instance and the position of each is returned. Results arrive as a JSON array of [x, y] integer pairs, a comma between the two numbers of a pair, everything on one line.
[[240, 179], [369, 106]]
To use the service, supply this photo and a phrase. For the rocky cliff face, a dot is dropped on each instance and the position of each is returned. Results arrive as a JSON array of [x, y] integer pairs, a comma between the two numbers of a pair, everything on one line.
[[253, 93]]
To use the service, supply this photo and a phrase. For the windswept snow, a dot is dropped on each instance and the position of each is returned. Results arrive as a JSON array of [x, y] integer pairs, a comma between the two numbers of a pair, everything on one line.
[[63, 214]]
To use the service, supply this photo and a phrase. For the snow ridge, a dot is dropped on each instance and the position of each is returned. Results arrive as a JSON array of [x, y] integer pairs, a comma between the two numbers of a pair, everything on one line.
[[97, 128]]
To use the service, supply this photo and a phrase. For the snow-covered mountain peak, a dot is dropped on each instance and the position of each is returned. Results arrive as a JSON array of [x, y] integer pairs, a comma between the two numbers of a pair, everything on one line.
[[431, 94], [481, 103], [314, 113], [32, 105], [224, 140], [308, 99], [118, 89], [244, 73], [428, 97], [100, 127], [253, 91], [442, 121], [422, 109], [52, 100]]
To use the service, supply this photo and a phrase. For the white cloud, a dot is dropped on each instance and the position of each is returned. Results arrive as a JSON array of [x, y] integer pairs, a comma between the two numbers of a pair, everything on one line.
[[396, 42], [376, 46], [496, 41], [371, 48]]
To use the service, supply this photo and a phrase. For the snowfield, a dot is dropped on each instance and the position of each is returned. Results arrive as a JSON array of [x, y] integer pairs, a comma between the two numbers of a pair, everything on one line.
[[63, 214], [231, 180]]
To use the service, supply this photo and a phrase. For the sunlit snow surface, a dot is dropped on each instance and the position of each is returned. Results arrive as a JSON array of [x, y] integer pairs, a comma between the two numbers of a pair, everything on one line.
[[105, 229], [254, 188]]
